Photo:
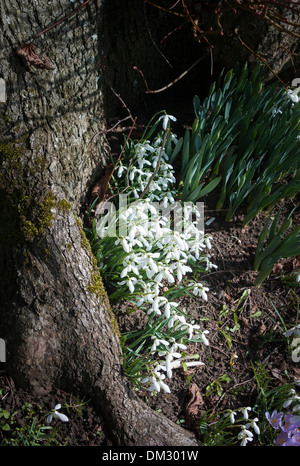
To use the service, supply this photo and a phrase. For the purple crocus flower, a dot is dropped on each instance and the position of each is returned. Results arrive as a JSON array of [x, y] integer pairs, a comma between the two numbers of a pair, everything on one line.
[[281, 439], [293, 441], [290, 424], [275, 419]]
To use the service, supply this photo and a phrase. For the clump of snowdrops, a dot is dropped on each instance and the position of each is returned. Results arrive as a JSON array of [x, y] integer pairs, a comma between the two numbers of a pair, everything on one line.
[[147, 244]]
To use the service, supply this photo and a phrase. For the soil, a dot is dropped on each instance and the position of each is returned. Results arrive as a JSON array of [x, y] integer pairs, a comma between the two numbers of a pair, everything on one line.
[[256, 339]]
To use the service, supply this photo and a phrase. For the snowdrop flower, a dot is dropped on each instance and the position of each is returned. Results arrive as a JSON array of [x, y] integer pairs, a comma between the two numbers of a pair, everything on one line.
[[190, 328], [181, 269], [200, 289], [292, 398], [293, 95], [231, 415], [120, 170], [168, 308], [207, 241], [177, 345], [166, 119], [252, 423], [147, 261], [55, 414], [165, 274], [130, 282], [174, 317], [124, 243], [170, 355], [294, 330], [245, 435], [129, 266], [203, 337], [245, 411], [157, 380], [156, 301], [209, 265], [157, 342]]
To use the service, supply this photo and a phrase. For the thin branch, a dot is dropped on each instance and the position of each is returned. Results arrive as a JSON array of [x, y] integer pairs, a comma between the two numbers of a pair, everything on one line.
[[258, 56], [63, 19], [148, 91], [153, 41]]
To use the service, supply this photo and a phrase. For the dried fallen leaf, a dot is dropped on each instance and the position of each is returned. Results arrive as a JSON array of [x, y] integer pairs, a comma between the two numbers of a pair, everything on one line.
[[296, 263], [278, 268], [28, 54], [196, 401]]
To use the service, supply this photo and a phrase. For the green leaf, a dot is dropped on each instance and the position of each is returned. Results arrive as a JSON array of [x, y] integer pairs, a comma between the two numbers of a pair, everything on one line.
[[200, 192], [176, 150]]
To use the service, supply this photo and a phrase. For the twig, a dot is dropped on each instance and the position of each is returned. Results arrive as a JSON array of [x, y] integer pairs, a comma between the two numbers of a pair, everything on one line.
[[153, 41], [148, 91], [63, 19], [258, 56], [106, 131]]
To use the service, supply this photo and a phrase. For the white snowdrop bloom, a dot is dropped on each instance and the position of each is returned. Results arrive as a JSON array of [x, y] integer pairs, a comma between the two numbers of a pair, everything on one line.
[[200, 289], [182, 269], [203, 337], [296, 408], [55, 414], [245, 436], [245, 411], [231, 415], [121, 170], [294, 330], [157, 381], [191, 328], [165, 274], [252, 423], [157, 342], [179, 345], [156, 302], [124, 243], [293, 95], [168, 308], [176, 317], [207, 241], [209, 265], [174, 138], [129, 266], [141, 150], [135, 193], [130, 282], [175, 253], [166, 119], [170, 355], [147, 261], [292, 398], [180, 241]]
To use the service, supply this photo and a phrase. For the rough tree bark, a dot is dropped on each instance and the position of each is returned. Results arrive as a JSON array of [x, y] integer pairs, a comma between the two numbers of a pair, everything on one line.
[[55, 316]]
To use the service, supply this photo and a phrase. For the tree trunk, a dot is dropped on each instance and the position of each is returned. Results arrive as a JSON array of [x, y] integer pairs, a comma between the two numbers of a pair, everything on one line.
[[55, 316]]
